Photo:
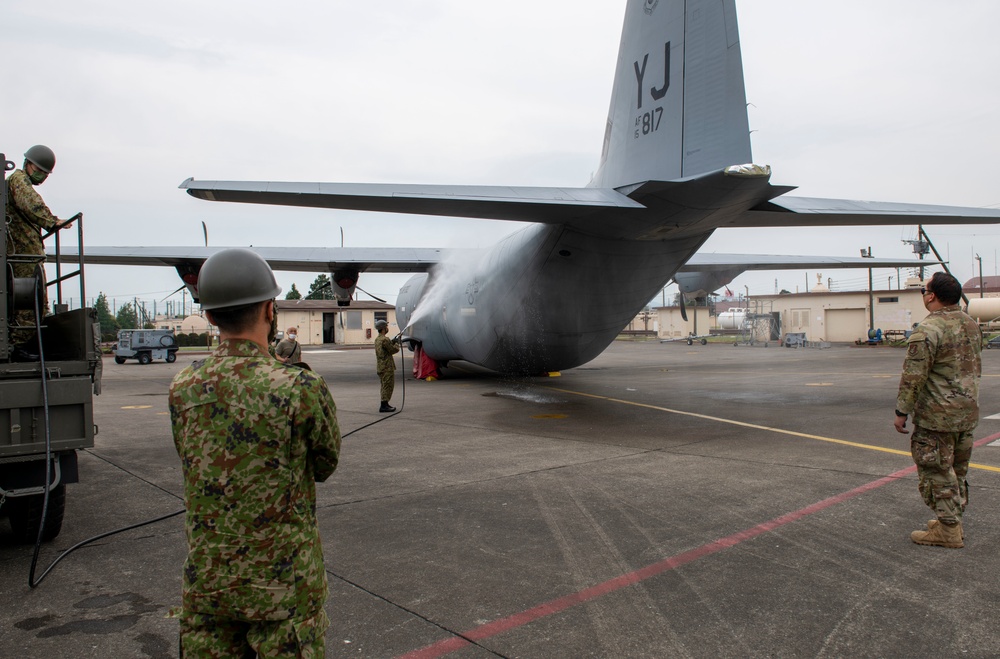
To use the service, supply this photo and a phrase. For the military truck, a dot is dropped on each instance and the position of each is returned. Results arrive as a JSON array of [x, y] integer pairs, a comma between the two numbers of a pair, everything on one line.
[[146, 345], [46, 388]]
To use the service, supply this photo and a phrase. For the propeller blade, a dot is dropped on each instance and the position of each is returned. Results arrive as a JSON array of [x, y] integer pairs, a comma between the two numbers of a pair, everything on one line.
[[174, 293], [370, 295], [204, 230]]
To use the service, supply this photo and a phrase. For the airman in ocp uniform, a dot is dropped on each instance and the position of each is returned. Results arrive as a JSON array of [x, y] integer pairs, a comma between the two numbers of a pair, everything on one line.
[[939, 387], [254, 436]]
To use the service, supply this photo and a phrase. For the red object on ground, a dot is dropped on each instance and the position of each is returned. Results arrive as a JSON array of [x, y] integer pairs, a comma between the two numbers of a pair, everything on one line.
[[424, 367]]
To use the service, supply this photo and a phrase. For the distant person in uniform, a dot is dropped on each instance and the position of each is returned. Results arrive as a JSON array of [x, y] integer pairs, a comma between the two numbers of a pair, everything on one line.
[[385, 366], [289, 351], [940, 389], [254, 436], [27, 216]]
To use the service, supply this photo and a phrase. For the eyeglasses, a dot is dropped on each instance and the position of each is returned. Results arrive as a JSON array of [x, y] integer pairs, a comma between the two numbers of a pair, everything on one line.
[[924, 291]]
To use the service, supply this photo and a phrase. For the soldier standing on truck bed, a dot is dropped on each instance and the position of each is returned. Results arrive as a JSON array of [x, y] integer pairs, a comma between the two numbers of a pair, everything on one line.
[[27, 215]]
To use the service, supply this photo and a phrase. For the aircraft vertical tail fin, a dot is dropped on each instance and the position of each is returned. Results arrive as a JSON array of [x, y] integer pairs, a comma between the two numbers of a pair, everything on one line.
[[678, 106]]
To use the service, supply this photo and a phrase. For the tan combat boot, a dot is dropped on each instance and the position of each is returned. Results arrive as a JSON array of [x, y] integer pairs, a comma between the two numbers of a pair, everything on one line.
[[934, 522], [940, 535]]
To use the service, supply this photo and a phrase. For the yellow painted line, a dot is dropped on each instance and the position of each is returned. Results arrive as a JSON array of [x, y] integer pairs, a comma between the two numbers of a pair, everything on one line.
[[550, 416], [743, 424], [136, 407]]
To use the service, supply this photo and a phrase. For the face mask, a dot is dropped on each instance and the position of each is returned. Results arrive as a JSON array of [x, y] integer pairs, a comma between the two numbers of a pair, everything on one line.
[[292, 336], [38, 176]]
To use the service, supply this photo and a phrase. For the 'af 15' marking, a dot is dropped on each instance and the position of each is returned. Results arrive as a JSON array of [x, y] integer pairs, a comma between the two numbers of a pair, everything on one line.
[[649, 122]]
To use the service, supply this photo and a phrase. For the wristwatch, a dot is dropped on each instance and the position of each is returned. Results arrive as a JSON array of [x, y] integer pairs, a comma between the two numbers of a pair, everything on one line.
[[898, 413]]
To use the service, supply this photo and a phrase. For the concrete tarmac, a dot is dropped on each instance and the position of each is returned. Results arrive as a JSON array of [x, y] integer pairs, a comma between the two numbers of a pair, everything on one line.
[[664, 500]]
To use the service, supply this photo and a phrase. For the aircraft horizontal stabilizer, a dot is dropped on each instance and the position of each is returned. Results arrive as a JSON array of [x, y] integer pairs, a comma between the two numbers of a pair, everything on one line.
[[524, 204], [812, 211]]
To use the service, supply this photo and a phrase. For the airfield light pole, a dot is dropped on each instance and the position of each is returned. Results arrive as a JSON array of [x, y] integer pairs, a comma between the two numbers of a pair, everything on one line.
[[980, 259], [867, 254]]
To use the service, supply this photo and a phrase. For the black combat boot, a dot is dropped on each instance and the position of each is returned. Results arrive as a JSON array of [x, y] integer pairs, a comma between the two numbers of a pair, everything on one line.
[[386, 407]]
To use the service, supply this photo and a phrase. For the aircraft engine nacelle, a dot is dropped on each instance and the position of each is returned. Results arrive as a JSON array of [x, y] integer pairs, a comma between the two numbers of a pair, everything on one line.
[[701, 284], [343, 283]]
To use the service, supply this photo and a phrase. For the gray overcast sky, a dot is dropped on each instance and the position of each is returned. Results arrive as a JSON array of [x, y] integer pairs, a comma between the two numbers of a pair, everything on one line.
[[894, 100]]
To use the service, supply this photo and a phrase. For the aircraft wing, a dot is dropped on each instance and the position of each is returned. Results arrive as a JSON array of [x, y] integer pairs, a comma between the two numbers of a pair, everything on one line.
[[712, 262], [296, 259], [813, 211]]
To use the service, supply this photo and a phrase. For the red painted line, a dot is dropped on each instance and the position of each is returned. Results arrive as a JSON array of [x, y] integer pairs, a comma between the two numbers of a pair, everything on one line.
[[551, 607]]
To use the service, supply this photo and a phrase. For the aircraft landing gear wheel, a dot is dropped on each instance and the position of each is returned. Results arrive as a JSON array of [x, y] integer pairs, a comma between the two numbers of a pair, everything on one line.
[[144, 358], [119, 360]]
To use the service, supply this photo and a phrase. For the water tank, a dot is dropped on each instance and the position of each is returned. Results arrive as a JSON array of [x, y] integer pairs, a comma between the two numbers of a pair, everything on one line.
[[985, 309], [733, 319]]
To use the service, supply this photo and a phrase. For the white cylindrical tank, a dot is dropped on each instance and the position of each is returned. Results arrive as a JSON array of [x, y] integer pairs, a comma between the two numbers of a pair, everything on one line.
[[985, 309], [732, 319]]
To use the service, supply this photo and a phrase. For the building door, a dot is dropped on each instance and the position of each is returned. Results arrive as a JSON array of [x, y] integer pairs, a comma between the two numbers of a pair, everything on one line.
[[846, 324], [333, 328]]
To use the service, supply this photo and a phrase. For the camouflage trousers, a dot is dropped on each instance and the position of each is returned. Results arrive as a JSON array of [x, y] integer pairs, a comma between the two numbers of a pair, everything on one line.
[[942, 460], [388, 380], [206, 636]]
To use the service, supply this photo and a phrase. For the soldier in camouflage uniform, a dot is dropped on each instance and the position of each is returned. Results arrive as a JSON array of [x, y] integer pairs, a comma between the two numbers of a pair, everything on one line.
[[940, 388], [27, 215], [385, 366], [254, 436]]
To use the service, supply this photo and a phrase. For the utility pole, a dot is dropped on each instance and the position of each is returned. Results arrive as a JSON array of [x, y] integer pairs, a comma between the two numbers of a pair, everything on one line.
[[867, 254], [980, 259]]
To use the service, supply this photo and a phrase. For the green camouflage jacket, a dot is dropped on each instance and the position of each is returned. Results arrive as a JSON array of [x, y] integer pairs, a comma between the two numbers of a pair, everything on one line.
[[384, 350], [28, 215], [940, 381], [253, 436]]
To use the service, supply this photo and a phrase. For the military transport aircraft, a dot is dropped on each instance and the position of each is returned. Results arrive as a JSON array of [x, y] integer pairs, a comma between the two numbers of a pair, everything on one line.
[[675, 166]]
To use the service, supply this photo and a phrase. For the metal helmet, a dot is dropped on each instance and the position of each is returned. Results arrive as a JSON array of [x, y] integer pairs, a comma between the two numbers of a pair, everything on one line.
[[235, 278], [381, 325], [41, 157]]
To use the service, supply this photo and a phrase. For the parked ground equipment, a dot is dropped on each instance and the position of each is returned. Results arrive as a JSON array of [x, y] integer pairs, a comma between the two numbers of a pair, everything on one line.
[[145, 345]]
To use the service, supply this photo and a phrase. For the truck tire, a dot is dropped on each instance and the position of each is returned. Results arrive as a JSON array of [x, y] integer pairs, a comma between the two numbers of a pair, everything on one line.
[[26, 514], [119, 360], [145, 358], [171, 357]]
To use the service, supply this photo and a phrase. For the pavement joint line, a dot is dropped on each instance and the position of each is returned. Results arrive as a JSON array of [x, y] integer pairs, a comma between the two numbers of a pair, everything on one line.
[[91, 451], [744, 424], [554, 606], [413, 613]]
